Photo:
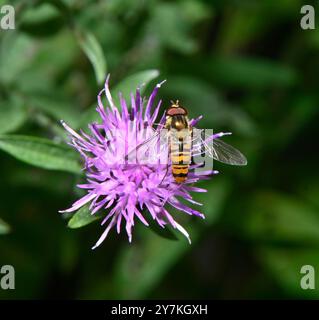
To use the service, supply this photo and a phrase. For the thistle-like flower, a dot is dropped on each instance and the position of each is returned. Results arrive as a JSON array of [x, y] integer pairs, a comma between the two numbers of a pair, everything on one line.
[[125, 191]]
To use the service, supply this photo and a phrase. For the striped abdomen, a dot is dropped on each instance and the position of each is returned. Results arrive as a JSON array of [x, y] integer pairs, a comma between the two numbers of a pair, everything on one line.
[[180, 147]]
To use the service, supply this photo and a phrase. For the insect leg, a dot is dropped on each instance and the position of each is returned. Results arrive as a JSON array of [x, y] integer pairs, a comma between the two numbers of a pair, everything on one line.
[[164, 175]]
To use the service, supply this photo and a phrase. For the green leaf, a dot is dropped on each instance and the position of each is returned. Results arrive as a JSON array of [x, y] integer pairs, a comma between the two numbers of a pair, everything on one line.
[[93, 50], [4, 227], [171, 26], [40, 152], [43, 20], [283, 219], [44, 78], [240, 71], [55, 106], [11, 63], [195, 11], [82, 218], [132, 82], [12, 115], [39, 13]]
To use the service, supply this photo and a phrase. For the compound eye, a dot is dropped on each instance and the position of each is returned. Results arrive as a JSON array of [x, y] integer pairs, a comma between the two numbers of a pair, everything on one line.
[[170, 111]]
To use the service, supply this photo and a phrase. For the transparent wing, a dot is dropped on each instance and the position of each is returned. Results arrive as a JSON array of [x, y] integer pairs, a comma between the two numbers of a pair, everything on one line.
[[225, 153], [220, 151], [152, 150]]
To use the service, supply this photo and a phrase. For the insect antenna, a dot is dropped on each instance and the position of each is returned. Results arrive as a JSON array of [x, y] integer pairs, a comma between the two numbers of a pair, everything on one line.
[[175, 103]]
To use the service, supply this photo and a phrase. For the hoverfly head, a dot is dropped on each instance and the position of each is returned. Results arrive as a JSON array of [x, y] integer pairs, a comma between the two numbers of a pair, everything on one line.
[[176, 110]]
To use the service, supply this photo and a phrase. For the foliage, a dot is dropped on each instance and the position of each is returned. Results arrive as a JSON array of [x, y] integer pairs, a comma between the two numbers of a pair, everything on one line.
[[245, 65]]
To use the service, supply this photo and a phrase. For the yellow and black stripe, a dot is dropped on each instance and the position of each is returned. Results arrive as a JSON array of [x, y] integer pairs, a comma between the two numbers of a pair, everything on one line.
[[180, 141], [181, 157]]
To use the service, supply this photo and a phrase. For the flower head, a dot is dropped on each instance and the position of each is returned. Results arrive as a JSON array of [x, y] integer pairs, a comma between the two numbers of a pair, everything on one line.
[[129, 192]]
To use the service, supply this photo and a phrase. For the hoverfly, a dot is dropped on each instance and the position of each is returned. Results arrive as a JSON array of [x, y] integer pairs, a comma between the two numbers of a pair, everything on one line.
[[179, 144]]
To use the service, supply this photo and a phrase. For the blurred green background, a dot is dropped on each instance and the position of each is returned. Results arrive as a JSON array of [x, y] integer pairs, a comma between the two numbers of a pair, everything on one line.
[[246, 65]]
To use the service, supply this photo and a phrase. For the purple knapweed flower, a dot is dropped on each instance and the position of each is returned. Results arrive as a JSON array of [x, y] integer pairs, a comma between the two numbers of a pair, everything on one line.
[[123, 190]]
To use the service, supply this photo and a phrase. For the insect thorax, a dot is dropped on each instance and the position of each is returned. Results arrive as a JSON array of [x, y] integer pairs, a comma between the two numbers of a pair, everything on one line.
[[177, 122]]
